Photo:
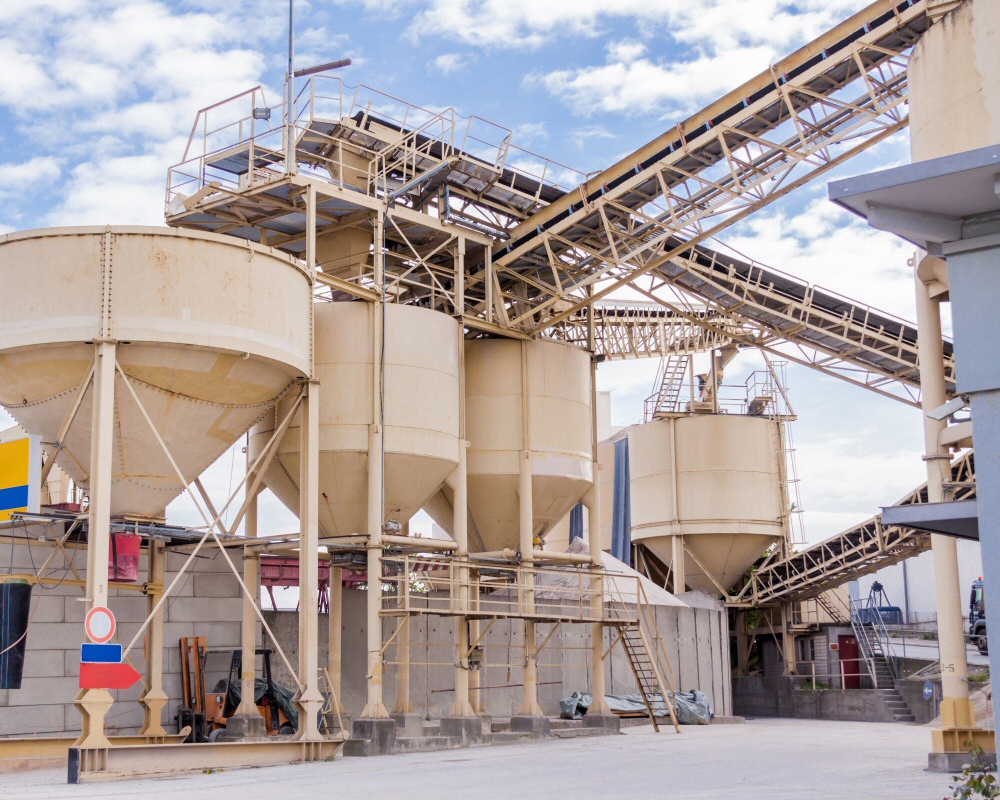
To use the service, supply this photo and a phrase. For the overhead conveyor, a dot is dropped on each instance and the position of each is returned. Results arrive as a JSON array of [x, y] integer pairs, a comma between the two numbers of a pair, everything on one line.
[[706, 299], [543, 242], [861, 550]]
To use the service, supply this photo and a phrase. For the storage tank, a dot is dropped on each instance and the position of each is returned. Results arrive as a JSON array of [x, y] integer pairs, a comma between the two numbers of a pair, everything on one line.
[[421, 410], [552, 387], [713, 479], [954, 83], [557, 538], [210, 332]]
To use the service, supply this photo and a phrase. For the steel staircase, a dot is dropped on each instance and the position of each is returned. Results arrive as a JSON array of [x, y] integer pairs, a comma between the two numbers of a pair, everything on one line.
[[650, 668], [669, 381], [874, 644], [826, 602]]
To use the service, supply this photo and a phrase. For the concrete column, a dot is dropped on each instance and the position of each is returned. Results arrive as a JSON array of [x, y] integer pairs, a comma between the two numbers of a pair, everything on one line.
[[154, 698], [957, 712], [94, 704], [374, 707]]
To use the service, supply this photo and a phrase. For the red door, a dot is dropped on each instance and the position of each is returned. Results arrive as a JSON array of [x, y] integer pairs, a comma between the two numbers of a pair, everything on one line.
[[850, 662]]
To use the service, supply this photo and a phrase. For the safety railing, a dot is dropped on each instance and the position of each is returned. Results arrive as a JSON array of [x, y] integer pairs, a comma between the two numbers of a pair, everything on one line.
[[241, 142], [419, 584], [873, 637]]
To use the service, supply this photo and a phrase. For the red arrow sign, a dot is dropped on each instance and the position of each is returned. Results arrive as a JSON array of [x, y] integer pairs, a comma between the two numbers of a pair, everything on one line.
[[107, 676]]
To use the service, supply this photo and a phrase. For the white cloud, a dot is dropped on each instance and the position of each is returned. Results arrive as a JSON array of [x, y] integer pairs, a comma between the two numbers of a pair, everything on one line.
[[715, 23], [636, 85], [16, 177], [448, 63]]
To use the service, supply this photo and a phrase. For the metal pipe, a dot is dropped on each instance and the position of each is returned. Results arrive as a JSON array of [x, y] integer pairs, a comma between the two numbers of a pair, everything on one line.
[[419, 543]]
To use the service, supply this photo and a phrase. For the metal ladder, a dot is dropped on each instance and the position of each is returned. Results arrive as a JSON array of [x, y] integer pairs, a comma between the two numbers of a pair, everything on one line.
[[669, 382], [830, 607]]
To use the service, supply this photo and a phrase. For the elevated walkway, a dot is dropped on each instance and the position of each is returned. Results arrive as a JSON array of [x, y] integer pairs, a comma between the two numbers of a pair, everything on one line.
[[861, 550]]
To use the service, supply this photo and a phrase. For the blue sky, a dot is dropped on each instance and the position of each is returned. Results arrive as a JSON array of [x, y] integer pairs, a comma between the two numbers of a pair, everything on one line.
[[98, 97]]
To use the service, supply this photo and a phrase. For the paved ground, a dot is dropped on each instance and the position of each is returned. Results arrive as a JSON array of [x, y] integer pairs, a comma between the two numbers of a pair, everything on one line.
[[928, 649], [774, 758]]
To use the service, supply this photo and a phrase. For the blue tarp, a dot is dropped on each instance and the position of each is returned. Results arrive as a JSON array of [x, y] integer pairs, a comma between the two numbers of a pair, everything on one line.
[[576, 522], [621, 517]]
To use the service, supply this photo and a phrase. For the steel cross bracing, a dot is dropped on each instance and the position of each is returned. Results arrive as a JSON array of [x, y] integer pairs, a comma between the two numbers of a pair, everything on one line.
[[813, 110], [442, 183], [858, 551]]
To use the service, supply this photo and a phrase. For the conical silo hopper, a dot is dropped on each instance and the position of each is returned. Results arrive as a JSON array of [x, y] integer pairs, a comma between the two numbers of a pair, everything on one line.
[[542, 405], [421, 408], [713, 479], [209, 330]]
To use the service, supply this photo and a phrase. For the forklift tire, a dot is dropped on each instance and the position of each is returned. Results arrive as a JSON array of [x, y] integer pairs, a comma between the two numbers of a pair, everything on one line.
[[217, 734], [286, 730]]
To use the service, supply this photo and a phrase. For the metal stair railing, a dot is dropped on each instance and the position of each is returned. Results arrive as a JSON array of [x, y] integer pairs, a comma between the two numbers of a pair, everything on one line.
[[873, 639], [669, 382], [645, 665], [833, 610]]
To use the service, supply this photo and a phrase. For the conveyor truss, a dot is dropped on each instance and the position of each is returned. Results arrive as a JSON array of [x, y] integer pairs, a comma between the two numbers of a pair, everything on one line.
[[542, 243]]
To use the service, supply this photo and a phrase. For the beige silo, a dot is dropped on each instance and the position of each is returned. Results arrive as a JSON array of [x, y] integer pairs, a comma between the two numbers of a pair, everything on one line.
[[714, 480], [526, 397], [421, 397], [954, 83], [210, 331]]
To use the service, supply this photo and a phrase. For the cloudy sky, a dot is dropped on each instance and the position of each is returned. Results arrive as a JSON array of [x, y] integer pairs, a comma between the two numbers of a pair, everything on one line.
[[98, 98]]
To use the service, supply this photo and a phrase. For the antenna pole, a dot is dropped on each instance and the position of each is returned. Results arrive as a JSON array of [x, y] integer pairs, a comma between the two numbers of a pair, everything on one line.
[[290, 166]]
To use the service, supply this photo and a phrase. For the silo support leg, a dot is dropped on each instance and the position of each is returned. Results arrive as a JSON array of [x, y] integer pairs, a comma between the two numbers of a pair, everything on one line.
[[154, 698], [247, 722], [309, 699], [94, 704]]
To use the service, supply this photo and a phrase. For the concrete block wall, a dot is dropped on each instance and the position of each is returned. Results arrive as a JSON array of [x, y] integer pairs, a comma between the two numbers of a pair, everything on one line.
[[206, 603], [755, 696], [696, 641]]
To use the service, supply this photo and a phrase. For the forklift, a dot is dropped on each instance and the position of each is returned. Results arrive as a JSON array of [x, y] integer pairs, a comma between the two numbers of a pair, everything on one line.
[[207, 714]]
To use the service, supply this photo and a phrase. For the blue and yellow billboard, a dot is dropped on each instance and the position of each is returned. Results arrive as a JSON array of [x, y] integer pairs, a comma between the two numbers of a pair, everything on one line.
[[20, 475]]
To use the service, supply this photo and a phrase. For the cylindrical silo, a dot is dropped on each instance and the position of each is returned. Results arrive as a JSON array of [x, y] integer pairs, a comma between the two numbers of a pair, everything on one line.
[[525, 396], [209, 331], [713, 479], [954, 83], [421, 409]]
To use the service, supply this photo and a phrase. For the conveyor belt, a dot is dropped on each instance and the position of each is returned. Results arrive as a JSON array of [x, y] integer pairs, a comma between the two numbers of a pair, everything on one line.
[[858, 551]]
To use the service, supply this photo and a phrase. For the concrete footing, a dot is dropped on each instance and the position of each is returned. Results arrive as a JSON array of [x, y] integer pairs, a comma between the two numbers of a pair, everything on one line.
[[469, 729], [244, 727], [955, 762], [408, 725], [538, 727], [332, 723], [608, 723], [371, 737]]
